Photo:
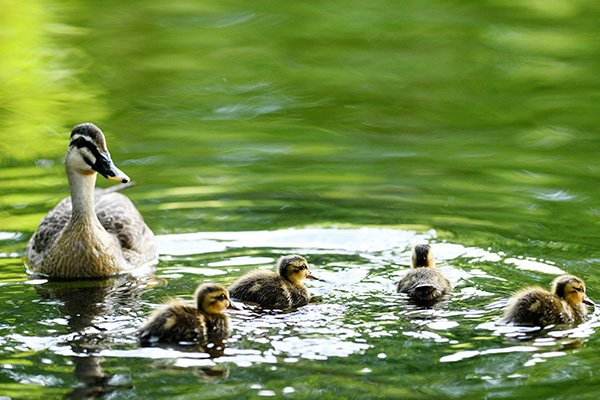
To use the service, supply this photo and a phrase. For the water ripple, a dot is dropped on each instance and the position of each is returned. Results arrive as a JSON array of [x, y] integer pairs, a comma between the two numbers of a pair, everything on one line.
[[357, 312]]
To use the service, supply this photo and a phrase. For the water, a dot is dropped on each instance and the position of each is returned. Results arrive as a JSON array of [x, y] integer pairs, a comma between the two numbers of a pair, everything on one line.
[[346, 132]]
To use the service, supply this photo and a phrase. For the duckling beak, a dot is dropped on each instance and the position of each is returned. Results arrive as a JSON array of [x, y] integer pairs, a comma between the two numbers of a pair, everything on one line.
[[313, 278], [588, 301], [105, 167], [234, 306]]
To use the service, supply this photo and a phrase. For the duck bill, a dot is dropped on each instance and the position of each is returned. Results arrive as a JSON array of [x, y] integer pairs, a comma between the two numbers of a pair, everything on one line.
[[588, 301], [105, 167], [119, 176], [313, 278], [234, 306]]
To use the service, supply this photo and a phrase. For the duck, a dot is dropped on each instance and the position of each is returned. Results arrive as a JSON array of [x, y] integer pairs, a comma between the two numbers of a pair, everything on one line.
[[93, 233], [565, 303], [181, 323], [424, 283], [276, 290]]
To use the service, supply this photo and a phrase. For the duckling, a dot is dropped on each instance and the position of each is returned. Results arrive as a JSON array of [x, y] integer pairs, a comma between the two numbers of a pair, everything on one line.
[[180, 322], [424, 283], [276, 290], [535, 306], [90, 234]]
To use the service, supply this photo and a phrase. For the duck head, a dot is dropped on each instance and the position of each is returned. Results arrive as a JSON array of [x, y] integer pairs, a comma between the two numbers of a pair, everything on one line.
[[88, 154], [294, 268], [571, 289], [212, 298], [422, 256]]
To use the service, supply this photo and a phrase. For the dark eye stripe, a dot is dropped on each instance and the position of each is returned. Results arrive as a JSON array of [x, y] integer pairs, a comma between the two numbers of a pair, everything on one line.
[[80, 142], [102, 160], [87, 161]]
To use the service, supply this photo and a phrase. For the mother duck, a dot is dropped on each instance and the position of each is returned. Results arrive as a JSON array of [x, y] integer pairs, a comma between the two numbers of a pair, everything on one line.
[[93, 233]]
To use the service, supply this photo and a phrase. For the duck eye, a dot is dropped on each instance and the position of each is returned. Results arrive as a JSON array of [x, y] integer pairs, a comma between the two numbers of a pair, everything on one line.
[[221, 297]]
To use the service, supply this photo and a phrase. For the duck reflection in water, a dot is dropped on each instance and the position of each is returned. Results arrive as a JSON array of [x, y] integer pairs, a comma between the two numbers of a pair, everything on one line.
[[85, 304]]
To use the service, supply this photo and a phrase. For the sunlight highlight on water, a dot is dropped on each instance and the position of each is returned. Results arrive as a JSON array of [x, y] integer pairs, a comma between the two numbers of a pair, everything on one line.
[[356, 305]]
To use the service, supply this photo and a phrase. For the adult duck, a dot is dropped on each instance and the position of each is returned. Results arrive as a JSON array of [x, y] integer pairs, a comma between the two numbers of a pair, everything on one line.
[[92, 233]]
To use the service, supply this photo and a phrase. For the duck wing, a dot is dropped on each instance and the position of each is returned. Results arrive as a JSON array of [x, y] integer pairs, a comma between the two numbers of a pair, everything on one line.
[[48, 231], [119, 217], [265, 288]]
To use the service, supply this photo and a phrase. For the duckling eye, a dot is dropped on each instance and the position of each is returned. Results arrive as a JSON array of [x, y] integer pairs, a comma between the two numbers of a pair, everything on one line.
[[221, 297], [579, 289]]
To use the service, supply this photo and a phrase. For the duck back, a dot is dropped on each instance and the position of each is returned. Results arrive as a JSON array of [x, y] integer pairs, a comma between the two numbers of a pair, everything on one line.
[[424, 285], [120, 218], [269, 290], [177, 322], [538, 307]]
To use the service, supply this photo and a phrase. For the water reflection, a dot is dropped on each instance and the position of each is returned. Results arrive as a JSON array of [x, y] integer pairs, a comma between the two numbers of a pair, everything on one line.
[[359, 315], [86, 306], [548, 342], [358, 301]]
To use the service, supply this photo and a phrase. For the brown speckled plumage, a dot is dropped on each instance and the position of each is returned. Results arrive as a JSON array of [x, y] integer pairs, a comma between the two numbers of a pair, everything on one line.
[[424, 283], [105, 236], [181, 323], [275, 290], [535, 306]]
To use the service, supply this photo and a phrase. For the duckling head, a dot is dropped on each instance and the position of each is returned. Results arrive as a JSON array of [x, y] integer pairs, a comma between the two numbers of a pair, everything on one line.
[[294, 268], [572, 289], [88, 154], [422, 256], [212, 298]]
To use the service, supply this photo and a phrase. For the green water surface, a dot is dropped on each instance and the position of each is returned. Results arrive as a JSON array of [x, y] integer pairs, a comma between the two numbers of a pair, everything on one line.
[[346, 131]]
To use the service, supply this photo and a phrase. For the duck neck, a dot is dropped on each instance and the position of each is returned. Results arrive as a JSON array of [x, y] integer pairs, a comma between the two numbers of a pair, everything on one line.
[[82, 195], [211, 318], [579, 310], [426, 265]]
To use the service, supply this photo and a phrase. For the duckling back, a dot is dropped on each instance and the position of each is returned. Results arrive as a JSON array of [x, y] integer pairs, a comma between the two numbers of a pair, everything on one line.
[[538, 307], [427, 285], [269, 290], [177, 322]]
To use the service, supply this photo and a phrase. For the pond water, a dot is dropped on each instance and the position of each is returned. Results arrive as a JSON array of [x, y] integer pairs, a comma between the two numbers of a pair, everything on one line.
[[344, 131]]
